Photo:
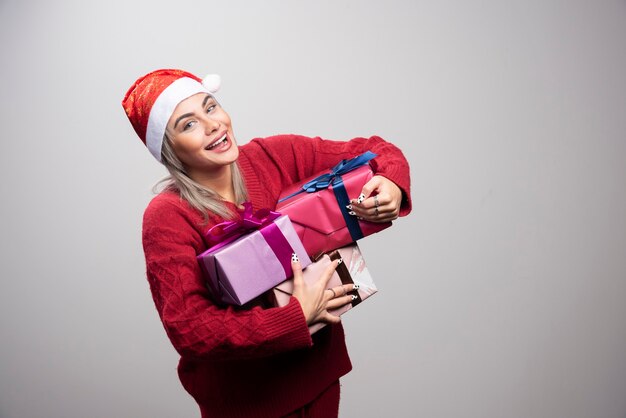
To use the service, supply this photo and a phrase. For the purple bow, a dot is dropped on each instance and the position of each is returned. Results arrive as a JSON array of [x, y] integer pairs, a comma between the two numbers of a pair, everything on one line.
[[228, 231]]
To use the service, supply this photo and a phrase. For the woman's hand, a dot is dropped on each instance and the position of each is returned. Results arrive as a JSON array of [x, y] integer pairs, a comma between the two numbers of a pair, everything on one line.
[[316, 300], [380, 201]]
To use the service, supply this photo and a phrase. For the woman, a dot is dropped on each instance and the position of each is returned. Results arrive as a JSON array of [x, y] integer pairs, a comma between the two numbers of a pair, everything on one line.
[[260, 361]]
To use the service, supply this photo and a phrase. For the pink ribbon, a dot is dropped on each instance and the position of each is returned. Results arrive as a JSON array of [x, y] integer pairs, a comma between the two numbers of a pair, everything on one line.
[[226, 232]]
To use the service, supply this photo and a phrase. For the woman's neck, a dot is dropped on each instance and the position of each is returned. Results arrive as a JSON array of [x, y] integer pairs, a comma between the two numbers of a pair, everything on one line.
[[220, 181]]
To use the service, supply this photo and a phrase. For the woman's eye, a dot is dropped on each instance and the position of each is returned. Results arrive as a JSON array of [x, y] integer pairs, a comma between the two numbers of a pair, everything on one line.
[[188, 125], [210, 108]]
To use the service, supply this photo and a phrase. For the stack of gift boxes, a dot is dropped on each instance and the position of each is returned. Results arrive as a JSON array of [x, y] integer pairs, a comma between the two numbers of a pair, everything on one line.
[[252, 256]]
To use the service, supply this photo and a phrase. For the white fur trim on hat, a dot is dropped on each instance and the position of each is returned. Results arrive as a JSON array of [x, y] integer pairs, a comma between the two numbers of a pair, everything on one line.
[[163, 108]]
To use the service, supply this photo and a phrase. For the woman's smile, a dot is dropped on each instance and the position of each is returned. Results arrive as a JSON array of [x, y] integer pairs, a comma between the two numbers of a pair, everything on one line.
[[219, 145]]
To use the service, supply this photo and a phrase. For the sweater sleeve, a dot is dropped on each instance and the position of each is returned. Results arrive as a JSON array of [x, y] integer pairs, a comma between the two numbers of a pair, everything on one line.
[[196, 326], [295, 157]]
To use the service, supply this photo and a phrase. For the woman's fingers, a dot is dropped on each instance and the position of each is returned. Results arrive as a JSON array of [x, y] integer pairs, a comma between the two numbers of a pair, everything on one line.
[[316, 300], [339, 295], [328, 273], [313, 298], [330, 318], [370, 212], [341, 290], [373, 212], [296, 267], [338, 302], [380, 201]]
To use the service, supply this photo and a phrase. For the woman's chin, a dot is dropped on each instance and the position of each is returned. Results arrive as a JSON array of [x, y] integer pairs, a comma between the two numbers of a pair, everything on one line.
[[225, 157]]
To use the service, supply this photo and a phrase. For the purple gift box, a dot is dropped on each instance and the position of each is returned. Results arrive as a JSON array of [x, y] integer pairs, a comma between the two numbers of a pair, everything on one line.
[[254, 255]]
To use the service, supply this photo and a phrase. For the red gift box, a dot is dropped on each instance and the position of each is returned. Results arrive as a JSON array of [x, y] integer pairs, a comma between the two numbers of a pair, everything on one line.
[[317, 206]]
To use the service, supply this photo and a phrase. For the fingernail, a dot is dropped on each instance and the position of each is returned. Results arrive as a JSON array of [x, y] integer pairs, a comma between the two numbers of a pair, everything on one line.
[[351, 213], [354, 297], [340, 261], [361, 198], [349, 207], [294, 258], [356, 287]]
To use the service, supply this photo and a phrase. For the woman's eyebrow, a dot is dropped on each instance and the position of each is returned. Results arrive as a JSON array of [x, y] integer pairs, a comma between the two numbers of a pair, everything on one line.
[[206, 99], [186, 115]]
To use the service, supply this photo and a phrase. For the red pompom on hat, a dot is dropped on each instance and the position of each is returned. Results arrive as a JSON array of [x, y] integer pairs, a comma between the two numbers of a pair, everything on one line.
[[151, 100]]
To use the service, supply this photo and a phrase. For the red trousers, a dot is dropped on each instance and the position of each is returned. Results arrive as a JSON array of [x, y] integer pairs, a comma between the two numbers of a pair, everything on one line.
[[324, 406]]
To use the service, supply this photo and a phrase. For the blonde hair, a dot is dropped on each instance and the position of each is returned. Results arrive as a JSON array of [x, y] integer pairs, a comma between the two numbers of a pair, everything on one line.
[[198, 196]]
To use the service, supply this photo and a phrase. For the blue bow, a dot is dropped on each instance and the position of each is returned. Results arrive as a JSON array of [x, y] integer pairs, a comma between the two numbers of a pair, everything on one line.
[[334, 178]]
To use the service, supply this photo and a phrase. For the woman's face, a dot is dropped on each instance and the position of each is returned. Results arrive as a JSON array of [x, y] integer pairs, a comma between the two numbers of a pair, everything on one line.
[[201, 135]]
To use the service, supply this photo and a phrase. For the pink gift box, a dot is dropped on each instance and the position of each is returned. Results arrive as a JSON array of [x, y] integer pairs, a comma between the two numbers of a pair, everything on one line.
[[352, 270], [320, 219], [244, 268]]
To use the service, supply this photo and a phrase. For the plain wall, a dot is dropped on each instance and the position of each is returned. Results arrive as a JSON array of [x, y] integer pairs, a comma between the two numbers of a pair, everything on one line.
[[502, 295]]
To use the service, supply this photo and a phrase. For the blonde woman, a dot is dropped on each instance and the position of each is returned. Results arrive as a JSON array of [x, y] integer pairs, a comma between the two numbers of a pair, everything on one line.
[[256, 361]]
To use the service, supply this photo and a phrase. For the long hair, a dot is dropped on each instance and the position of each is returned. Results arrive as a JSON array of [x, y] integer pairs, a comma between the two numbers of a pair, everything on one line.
[[198, 196]]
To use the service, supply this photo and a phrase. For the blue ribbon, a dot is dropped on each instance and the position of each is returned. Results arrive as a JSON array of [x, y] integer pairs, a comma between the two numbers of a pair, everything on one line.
[[334, 178]]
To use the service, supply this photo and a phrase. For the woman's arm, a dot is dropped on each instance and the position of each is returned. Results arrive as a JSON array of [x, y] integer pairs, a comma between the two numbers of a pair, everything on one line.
[[196, 326], [294, 157]]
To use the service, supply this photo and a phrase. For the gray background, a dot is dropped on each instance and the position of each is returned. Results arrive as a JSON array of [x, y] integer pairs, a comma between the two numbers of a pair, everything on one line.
[[502, 295]]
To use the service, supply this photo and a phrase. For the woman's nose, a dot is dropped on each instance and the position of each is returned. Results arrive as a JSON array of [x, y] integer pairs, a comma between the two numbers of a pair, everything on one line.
[[210, 125]]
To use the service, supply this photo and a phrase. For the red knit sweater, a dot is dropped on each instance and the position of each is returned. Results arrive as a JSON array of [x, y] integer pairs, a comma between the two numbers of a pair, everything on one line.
[[253, 362]]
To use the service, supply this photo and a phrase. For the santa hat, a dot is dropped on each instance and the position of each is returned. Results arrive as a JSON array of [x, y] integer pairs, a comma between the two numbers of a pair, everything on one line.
[[151, 100]]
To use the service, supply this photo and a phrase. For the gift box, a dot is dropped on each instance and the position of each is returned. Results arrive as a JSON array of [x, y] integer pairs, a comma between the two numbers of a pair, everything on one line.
[[351, 270], [317, 206], [252, 255]]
